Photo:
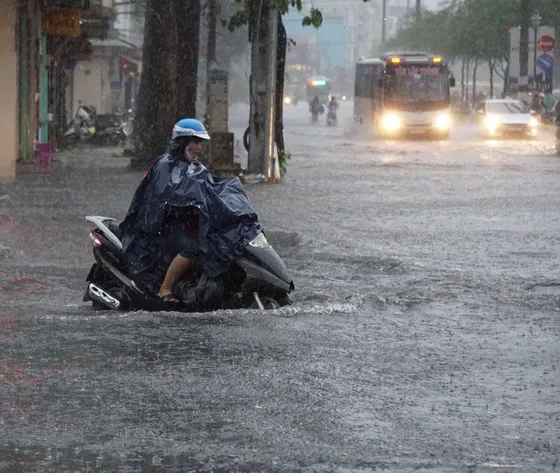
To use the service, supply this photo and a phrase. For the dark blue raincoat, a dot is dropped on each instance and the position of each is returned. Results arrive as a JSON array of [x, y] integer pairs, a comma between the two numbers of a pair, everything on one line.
[[226, 219]]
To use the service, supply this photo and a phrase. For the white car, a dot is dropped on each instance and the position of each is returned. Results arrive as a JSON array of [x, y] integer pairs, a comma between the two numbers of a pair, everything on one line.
[[507, 117]]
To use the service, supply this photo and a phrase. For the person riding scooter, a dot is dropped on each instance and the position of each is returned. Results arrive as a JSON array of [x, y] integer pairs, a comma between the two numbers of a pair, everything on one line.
[[316, 108], [160, 240], [557, 124], [183, 221]]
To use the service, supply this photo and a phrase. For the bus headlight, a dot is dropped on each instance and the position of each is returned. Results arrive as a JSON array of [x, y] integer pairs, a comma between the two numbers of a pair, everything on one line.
[[492, 122], [443, 122], [391, 122]]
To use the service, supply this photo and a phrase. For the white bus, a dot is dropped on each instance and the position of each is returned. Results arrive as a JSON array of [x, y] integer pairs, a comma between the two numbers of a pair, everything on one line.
[[365, 89], [404, 93]]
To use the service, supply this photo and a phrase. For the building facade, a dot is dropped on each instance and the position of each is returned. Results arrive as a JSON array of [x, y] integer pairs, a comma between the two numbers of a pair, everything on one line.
[[348, 31], [39, 39], [8, 89]]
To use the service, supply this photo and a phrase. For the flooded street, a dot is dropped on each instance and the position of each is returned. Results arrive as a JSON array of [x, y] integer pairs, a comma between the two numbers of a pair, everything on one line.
[[424, 334]]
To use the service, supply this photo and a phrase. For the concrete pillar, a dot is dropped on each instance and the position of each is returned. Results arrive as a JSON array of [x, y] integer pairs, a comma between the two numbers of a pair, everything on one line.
[[221, 143], [218, 100], [8, 90]]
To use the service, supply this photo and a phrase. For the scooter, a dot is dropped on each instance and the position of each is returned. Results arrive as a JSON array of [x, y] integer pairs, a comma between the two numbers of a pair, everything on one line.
[[258, 279], [87, 126], [331, 118]]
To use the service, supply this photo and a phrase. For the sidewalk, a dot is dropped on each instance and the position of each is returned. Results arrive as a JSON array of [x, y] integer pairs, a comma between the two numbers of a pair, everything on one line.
[[42, 211]]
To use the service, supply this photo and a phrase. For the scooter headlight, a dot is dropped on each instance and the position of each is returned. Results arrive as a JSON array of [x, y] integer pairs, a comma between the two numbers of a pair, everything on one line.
[[533, 122], [260, 241]]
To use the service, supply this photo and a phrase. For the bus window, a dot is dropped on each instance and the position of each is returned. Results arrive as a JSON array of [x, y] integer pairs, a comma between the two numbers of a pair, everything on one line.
[[365, 82], [412, 83]]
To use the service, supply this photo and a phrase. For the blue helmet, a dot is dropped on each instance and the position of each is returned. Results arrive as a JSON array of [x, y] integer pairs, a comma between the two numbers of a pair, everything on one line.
[[190, 127]]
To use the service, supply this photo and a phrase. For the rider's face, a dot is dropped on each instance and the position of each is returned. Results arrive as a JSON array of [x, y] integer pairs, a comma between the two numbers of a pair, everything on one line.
[[194, 148]]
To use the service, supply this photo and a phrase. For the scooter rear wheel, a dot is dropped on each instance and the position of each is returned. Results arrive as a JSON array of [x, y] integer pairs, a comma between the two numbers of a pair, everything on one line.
[[117, 292]]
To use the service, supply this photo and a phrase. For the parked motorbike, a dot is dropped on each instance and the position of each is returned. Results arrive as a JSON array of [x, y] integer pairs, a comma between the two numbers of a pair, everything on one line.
[[258, 279], [87, 126], [126, 126]]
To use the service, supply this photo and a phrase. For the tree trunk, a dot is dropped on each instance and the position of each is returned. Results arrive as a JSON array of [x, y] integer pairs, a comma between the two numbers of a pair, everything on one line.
[[258, 35], [148, 136], [525, 15], [188, 28], [475, 69], [280, 73], [467, 77], [463, 67], [491, 68], [168, 83], [506, 81]]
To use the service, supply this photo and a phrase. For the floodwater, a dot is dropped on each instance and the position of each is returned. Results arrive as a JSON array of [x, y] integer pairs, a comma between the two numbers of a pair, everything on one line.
[[424, 334]]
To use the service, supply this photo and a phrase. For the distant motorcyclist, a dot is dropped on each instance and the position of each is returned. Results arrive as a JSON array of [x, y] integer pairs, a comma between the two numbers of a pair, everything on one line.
[[315, 108], [332, 107], [557, 123], [536, 103], [315, 104]]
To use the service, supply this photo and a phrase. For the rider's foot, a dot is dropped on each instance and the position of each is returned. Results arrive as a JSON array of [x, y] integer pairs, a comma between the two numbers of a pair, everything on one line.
[[169, 298]]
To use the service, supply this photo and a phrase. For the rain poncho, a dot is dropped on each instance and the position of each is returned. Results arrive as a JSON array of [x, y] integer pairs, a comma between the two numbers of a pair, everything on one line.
[[227, 221]]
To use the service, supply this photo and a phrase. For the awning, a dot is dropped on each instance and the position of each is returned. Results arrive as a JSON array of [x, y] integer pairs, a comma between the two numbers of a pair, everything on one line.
[[110, 43]]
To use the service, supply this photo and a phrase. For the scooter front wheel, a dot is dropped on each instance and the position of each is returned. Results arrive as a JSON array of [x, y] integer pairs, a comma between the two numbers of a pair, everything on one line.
[[264, 303], [268, 302]]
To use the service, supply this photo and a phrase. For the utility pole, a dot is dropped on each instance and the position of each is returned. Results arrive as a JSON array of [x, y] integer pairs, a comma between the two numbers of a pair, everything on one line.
[[212, 22], [211, 48], [270, 121], [384, 21], [524, 46], [418, 10]]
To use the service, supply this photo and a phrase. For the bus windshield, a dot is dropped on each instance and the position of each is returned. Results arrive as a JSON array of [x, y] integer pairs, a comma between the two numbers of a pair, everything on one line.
[[409, 85]]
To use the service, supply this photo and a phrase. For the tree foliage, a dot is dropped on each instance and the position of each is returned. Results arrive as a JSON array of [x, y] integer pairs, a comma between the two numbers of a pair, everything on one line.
[[243, 14], [474, 29]]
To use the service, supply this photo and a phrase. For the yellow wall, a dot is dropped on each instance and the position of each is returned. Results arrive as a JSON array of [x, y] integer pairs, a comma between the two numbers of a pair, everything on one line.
[[8, 90]]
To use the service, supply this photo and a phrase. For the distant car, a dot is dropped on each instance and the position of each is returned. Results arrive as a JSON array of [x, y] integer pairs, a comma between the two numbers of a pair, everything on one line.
[[501, 117]]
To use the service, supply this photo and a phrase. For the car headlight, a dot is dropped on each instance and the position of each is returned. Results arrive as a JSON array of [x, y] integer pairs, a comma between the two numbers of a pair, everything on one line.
[[391, 122], [492, 122], [287, 100], [260, 241], [443, 122], [533, 122]]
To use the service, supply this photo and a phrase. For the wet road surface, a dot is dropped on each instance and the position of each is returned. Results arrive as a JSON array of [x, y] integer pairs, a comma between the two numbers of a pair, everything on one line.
[[424, 337]]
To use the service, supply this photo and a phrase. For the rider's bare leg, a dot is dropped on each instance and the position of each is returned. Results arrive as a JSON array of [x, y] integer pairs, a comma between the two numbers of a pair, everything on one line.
[[179, 267]]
